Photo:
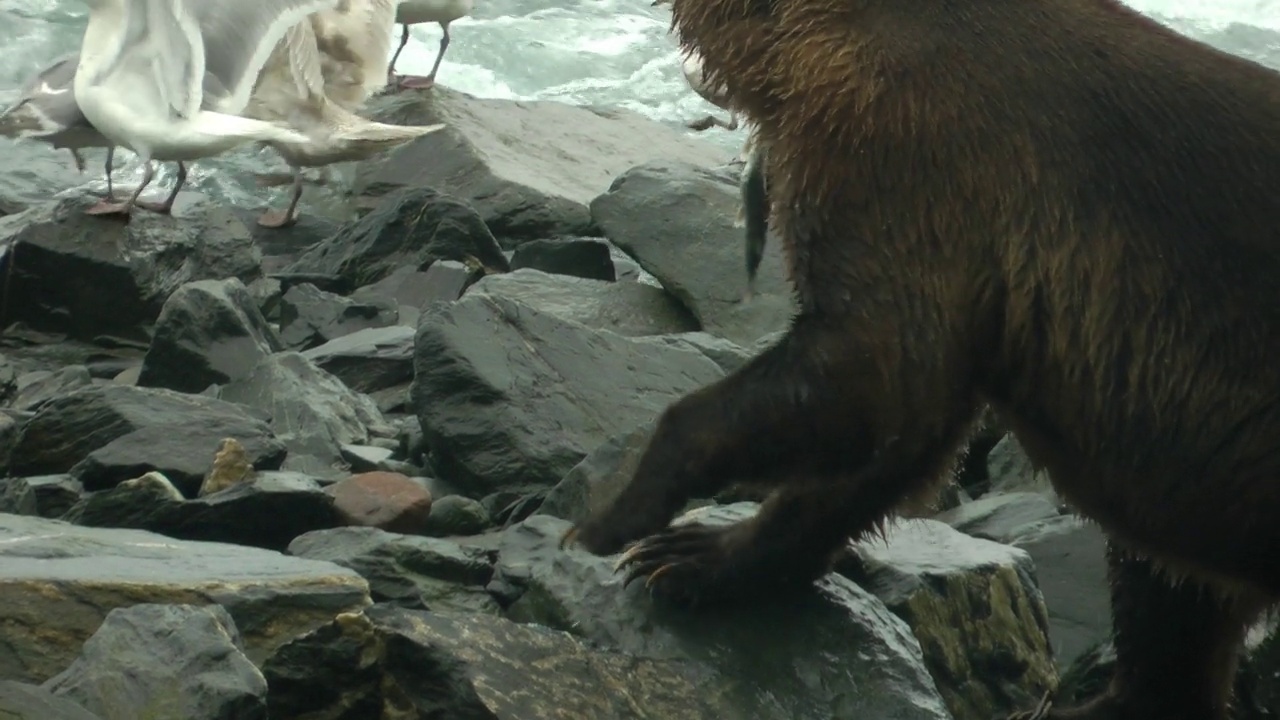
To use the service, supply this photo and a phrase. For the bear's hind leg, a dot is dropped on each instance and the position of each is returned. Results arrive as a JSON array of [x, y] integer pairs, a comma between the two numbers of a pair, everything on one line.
[[1176, 646]]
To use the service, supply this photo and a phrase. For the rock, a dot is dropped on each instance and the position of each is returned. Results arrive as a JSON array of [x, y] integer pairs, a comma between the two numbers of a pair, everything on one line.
[[312, 412], [24, 701], [599, 477], [529, 168], [165, 661], [587, 258], [456, 515], [310, 316], [210, 332], [231, 466], [123, 272], [729, 356], [1001, 517], [408, 570], [368, 360], [107, 433], [509, 396], [385, 500], [975, 608], [836, 653], [366, 458], [410, 288], [331, 673], [35, 387], [8, 380], [1009, 469], [44, 495], [413, 227], [630, 309], [676, 220], [58, 581], [268, 512]]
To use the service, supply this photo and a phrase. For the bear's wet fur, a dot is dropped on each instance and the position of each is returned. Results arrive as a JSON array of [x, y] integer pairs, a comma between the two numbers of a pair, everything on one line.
[[1060, 208]]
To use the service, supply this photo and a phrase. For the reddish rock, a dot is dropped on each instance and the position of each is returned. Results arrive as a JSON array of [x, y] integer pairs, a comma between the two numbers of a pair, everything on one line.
[[386, 500]]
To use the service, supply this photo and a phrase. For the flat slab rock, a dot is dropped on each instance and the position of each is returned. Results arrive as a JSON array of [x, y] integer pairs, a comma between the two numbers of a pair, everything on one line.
[[25, 701], [509, 396], [529, 168], [58, 582], [835, 654]]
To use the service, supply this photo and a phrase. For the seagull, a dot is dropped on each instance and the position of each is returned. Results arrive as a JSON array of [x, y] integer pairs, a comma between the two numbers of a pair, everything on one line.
[[411, 12], [292, 87], [167, 78]]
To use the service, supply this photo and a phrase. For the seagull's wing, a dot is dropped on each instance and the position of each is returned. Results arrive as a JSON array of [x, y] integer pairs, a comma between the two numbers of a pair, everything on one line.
[[177, 55], [304, 59], [239, 36], [58, 76]]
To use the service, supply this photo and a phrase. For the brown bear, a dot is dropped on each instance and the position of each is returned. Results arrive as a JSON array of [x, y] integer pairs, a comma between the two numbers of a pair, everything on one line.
[[1059, 208]]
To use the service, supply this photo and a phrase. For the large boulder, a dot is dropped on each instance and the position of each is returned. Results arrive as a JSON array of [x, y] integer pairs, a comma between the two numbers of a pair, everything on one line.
[[529, 168], [91, 276], [58, 582], [676, 220], [509, 396]]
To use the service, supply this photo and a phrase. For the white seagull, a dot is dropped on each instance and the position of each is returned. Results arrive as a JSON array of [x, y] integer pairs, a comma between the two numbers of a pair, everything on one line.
[[166, 78], [411, 12], [293, 88]]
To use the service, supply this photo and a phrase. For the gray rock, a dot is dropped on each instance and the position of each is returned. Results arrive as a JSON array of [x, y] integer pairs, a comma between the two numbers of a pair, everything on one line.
[[601, 475], [369, 360], [170, 661], [1010, 470], [629, 309], [58, 582], [975, 608], [44, 495], [408, 570], [37, 386], [588, 258], [312, 412], [8, 380], [268, 511], [728, 355], [836, 654], [103, 434], [676, 220], [529, 168], [24, 701], [1001, 517], [509, 396], [209, 332], [310, 316], [90, 276], [412, 227], [456, 515]]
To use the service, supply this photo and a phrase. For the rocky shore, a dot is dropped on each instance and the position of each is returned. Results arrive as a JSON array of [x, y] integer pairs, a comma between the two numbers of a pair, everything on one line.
[[322, 472]]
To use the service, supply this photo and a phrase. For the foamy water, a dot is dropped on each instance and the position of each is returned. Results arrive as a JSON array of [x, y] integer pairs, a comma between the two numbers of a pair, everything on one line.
[[612, 52]]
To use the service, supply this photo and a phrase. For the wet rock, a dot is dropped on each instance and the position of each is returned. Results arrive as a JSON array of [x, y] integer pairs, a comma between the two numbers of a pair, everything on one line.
[[44, 495], [1001, 517], [24, 701], [577, 257], [8, 380], [529, 168], [107, 433], [410, 288], [35, 387], [123, 271], [1010, 470], [476, 667], [312, 412], [599, 477], [456, 515], [834, 653], [413, 227], [268, 512], [209, 332], [310, 317], [385, 500], [231, 466], [172, 661], [509, 396], [368, 360], [629, 309], [331, 673], [367, 458], [729, 356], [58, 582], [676, 220], [408, 570], [975, 608]]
